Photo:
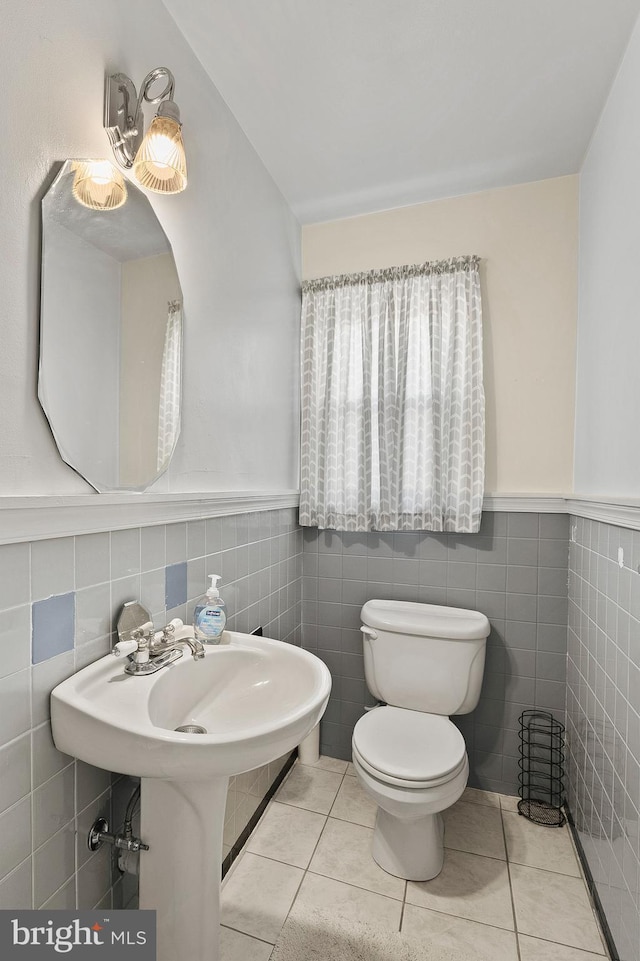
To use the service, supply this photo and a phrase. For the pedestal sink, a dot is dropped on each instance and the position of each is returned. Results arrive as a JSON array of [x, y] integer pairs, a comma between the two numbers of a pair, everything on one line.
[[256, 698]]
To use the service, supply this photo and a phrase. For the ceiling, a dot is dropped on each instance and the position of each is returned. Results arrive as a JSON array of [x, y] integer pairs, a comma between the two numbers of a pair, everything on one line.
[[363, 105]]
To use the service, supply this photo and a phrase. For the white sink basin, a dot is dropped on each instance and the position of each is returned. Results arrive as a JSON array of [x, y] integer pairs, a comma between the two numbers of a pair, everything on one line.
[[257, 699]]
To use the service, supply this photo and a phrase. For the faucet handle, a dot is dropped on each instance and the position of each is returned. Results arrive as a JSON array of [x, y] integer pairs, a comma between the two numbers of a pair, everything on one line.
[[168, 632], [123, 648]]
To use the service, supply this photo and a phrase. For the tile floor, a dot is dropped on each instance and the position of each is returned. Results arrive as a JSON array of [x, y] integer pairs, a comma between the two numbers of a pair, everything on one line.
[[510, 890]]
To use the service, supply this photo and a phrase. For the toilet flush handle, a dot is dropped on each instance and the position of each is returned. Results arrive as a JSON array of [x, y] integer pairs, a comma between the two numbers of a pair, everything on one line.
[[369, 632]]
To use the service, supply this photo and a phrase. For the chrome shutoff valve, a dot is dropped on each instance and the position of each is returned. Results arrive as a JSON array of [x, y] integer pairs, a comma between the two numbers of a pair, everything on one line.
[[99, 835]]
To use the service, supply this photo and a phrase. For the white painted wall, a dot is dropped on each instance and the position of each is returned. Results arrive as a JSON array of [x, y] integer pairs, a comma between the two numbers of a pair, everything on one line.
[[235, 241], [607, 446], [527, 239], [82, 331]]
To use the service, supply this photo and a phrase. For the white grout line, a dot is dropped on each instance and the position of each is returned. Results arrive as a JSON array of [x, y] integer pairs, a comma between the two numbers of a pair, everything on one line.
[[511, 894], [404, 904], [460, 917], [251, 936], [570, 947]]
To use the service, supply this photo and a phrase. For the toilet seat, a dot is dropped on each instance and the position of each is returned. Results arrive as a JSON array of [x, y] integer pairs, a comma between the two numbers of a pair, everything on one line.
[[409, 749]]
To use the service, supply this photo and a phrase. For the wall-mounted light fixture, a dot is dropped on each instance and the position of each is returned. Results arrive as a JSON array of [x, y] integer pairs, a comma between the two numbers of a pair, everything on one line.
[[99, 185], [158, 160]]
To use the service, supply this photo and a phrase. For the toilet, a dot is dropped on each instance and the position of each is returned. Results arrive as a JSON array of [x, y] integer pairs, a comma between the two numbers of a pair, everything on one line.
[[424, 663]]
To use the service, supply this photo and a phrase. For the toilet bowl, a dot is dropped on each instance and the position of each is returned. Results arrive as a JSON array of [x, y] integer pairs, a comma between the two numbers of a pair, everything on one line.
[[423, 662], [413, 766]]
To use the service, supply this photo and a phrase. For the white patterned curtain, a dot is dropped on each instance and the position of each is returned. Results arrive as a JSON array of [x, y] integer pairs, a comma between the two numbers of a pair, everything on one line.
[[170, 386], [392, 399]]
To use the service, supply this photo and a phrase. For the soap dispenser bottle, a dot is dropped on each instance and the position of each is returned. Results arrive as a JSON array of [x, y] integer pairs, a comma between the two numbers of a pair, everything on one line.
[[210, 614]]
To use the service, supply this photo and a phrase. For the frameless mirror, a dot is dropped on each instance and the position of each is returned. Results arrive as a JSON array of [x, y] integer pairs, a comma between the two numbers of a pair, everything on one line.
[[110, 329]]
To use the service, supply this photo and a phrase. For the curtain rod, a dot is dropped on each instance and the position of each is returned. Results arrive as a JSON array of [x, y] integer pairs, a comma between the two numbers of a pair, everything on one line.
[[392, 273]]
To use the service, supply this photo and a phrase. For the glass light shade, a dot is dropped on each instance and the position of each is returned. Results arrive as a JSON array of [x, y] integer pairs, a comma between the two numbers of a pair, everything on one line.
[[160, 163], [99, 185]]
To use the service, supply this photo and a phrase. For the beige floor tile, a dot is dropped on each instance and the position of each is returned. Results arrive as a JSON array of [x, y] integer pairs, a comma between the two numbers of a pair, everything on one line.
[[240, 947], [320, 895], [475, 828], [309, 788], [351, 771], [474, 796], [533, 949], [257, 897], [353, 804], [539, 846], [469, 886], [344, 854], [555, 906], [509, 802], [287, 834], [325, 763], [480, 941]]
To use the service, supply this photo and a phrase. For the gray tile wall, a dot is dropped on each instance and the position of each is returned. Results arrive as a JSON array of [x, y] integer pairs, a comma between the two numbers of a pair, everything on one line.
[[514, 570], [603, 718], [58, 603]]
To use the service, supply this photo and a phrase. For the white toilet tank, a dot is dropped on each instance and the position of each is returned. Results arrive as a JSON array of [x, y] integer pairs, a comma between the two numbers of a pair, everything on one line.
[[424, 657]]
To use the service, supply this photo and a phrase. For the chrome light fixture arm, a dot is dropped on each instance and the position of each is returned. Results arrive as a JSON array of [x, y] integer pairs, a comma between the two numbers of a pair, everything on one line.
[[123, 117], [122, 121]]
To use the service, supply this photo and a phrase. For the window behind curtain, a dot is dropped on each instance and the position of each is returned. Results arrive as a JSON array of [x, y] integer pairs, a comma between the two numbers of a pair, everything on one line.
[[392, 399]]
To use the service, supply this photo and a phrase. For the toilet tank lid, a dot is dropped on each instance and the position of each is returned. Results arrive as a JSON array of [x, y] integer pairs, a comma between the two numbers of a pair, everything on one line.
[[427, 620]]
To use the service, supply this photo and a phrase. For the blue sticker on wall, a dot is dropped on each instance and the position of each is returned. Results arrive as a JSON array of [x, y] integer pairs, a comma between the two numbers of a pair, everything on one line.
[[176, 585]]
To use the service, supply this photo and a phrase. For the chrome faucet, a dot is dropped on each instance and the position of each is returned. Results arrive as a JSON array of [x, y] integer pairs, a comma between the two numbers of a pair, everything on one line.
[[148, 651], [176, 632]]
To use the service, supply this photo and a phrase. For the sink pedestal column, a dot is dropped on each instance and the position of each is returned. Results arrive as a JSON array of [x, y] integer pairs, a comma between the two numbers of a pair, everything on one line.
[[182, 822]]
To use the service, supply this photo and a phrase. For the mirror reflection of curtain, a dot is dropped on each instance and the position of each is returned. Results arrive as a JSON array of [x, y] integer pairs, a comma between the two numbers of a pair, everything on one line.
[[392, 399], [170, 385]]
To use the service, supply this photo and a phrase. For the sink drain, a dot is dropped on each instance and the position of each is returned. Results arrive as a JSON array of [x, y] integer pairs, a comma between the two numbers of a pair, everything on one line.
[[191, 729]]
